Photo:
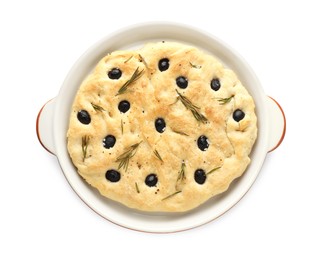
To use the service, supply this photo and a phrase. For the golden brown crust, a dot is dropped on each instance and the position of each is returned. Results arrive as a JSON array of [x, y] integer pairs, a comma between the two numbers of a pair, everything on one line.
[[155, 94]]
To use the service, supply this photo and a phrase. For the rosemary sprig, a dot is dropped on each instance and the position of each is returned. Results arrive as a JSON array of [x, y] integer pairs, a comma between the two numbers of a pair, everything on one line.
[[144, 61], [128, 59], [224, 101], [124, 158], [181, 177], [137, 189], [179, 132], [194, 109], [181, 173], [213, 170], [158, 155], [136, 75], [195, 66], [176, 100], [171, 195], [97, 108], [84, 146]]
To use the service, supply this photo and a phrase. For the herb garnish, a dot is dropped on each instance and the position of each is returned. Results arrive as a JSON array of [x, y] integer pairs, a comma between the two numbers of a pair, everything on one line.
[[96, 107], [158, 155], [136, 75], [181, 173], [213, 170], [143, 60], [194, 109], [195, 66], [123, 159], [84, 146], [171, 195], [128, 59], [121, 126], [181, 176], [179, 132], [137, 189], [223, 101]]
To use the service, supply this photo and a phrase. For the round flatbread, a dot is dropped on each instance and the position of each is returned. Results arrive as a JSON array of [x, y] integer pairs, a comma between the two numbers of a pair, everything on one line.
[[163, 128]]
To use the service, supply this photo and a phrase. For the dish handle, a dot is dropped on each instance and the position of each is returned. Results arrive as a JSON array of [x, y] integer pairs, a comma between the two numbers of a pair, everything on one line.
[[277, 123], [44, 126]]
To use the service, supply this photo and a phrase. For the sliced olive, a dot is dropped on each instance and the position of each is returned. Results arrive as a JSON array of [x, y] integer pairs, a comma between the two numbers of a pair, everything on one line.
[[200, 176], [109, 141], [182, 82], [160, 125], [163, 64], [151, 180], [115, 73], [83, 117], [112, 175], [202, 143], [238, 115], [215, 84], [123, 106]]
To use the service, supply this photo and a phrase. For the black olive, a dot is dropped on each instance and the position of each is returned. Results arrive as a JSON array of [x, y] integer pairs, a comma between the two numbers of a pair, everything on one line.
[[200, 176], [181, 82], [151, 180], [109, 141], [112, 175], [160, 125], [163, 64], [202, 143], [124, 106], [215, 84], [238, 115], [84, 117], [115, 73]]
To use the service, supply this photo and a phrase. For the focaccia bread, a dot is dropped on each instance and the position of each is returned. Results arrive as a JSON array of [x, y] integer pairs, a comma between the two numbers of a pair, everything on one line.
[[163, 128]]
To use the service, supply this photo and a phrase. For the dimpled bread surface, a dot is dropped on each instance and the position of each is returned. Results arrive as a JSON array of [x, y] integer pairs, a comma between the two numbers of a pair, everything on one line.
[[168, 169]]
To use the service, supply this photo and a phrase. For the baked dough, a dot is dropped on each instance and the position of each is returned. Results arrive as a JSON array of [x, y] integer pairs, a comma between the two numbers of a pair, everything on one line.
[[198, 147]]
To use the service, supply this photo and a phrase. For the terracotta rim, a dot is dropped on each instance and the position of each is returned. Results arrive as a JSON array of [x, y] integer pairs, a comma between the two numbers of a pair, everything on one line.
[[37, 127], [284, 129]]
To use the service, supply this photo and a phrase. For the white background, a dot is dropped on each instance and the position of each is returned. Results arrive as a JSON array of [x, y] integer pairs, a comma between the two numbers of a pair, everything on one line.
[[42, 218]]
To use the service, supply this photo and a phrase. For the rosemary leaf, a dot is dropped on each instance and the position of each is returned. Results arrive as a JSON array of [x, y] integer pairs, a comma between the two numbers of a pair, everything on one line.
[[195, 66], [128, 59], [174, 102], [179, 132], [181, 177], [158, 155], [124, 158], [144, 61], [97, 108], [181, 174], [137, 189], [194, 109], [121, 126], [171, 195], [199, 117], [136, 75], [213, 170], [84, 146], [224, 101]]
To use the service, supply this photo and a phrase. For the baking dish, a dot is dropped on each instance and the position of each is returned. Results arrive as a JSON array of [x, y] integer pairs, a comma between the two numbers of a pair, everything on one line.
[[53, 118]]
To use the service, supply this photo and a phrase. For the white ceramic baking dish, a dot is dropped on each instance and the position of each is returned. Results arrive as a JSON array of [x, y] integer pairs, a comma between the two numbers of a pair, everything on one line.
[[53, 118]]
